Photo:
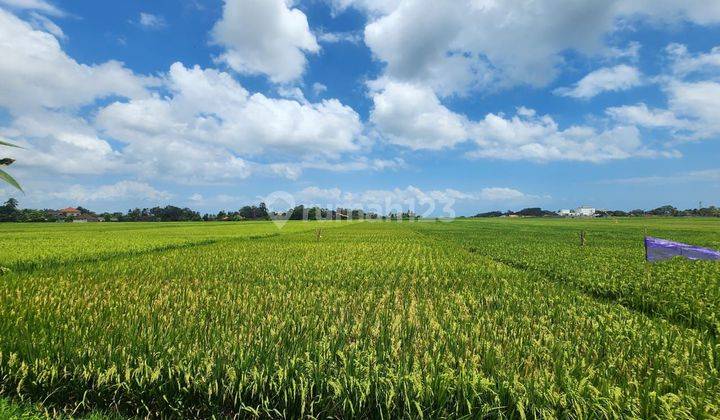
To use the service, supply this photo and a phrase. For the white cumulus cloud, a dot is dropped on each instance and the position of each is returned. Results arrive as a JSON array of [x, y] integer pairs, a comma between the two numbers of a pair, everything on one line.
[[151, 21], [209, 124], [698, 102], [607, 79], [692, 89], [37, 5], [455, 46], [643, 116], [526, 136], [121, 190], [684, 63], [413, 116], [265, 37], [352, 37], [208, 107], [205, 127], [502, 194], [36, 72]]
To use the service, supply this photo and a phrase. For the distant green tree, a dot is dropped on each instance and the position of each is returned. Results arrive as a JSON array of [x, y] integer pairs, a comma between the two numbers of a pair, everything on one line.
[[489, 214], [532, 212], [298, 213], [83, 210], [664, 211], [11, 204], [9, 212], [263, 212], [314, 213]]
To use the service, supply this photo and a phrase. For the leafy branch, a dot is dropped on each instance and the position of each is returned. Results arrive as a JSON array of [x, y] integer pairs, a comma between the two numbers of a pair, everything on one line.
[[7, 162]]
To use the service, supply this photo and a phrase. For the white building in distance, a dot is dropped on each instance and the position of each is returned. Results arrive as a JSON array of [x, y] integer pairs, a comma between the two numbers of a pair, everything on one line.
[[582, 211], [585, 211]]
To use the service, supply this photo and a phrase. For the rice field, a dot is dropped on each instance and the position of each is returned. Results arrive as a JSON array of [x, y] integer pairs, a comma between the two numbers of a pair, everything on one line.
[[471, 318]]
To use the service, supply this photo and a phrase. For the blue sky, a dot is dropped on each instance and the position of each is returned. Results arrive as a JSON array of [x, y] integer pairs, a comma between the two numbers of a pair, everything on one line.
[[451, 107]]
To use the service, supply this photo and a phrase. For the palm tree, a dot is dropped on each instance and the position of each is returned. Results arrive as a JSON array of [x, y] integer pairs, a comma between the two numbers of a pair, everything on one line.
[[4, 176]]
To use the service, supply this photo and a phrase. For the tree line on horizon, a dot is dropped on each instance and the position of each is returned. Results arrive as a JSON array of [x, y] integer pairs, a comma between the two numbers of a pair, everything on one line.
[[667, 211], [10, 212]]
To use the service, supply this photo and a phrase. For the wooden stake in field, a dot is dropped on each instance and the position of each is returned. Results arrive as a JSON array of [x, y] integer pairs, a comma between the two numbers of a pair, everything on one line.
[[582, 238], [318, 234]]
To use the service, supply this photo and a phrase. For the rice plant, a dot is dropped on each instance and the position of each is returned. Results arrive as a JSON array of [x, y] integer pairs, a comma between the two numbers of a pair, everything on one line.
[[373, 320]]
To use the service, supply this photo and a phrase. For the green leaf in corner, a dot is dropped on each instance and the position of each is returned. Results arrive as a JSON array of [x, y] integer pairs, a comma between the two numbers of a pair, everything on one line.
[[4, 143], [10, 180]]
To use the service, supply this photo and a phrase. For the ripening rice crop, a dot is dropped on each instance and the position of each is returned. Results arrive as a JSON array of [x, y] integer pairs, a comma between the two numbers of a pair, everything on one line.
[[610, 266], [30, 246], [372, 320]]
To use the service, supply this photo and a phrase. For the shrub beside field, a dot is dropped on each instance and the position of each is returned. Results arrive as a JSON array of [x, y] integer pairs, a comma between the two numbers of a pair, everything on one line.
[[374, 319]]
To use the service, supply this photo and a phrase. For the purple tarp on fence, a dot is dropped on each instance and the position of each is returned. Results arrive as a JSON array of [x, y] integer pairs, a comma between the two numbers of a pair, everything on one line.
[[657, 249]]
